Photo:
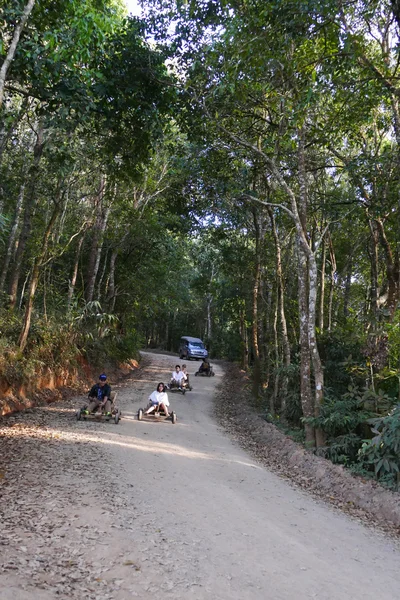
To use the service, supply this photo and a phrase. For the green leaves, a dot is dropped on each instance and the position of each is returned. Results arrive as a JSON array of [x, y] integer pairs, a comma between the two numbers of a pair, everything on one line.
[[383, 451]]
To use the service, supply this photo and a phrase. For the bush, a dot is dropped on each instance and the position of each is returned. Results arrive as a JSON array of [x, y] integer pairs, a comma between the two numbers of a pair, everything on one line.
[[291, 398], [381, 454], [58, 346], [345, 421]]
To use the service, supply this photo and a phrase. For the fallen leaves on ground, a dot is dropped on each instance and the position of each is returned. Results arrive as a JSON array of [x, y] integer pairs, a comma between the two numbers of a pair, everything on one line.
[[364, 500]]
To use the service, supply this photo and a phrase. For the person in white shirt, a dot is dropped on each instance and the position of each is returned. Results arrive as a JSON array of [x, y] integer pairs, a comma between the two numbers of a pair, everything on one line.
[[158, 400], [178, 377]]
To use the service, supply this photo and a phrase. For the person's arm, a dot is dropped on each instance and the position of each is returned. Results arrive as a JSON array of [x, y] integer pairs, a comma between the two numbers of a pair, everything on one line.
[[92, 393], [107, 393]]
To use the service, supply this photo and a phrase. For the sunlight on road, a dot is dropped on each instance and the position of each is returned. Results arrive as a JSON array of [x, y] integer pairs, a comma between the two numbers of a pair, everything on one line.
[[132, 443]]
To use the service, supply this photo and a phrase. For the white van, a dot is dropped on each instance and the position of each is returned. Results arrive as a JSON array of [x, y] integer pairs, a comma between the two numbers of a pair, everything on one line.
[[191, 347]]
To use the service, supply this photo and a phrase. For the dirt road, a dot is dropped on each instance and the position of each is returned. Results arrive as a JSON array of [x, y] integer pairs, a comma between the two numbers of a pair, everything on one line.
[[155, 510]]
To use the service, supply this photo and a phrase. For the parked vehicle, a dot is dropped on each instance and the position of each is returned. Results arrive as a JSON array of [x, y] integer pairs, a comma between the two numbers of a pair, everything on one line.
[[191, 347]]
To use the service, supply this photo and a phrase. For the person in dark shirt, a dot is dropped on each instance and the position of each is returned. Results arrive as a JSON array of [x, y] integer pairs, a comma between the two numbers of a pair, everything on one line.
[[100, 396], [205, 366]]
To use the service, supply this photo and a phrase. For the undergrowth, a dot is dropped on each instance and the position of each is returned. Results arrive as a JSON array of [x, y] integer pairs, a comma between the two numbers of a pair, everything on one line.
[[89, 335]]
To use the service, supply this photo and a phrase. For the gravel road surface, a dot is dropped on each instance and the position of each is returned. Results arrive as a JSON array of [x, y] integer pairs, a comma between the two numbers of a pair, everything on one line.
[[149, 509]]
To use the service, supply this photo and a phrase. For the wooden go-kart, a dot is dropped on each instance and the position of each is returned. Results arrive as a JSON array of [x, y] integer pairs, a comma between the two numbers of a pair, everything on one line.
[[114, 414], [206, 372], [175, 387], [157, 415]]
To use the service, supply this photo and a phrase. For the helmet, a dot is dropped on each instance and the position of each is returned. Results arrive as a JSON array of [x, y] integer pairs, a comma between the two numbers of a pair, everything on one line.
[[103, 377]]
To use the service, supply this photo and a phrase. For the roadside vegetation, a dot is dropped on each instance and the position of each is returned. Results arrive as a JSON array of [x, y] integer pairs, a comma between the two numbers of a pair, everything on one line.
[[236, 178]]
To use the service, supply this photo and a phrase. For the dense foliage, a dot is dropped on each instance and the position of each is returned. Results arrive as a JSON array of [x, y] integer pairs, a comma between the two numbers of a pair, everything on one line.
[[236, 178]]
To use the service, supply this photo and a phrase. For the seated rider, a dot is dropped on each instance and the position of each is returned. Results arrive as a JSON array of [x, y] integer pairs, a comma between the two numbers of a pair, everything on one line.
[[177, 377], [158, 400], [186, 375], [205, 366], [100, 396]]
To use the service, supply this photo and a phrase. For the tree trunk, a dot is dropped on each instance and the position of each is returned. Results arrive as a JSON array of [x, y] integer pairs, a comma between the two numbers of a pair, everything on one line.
[[12, 237], [60, 228], [282, 314], [315, 357], [265, 357], [307, 401], [101, 278], [332, 283], [347, 288], [111, 279], [97, 240], [72, 283], [374, 259], [274, 397], [322, 289], [392, 269], [209, 324], [35, 279], [30, 203], [312, 280], [244, 340], [255, 301], [13, 46]]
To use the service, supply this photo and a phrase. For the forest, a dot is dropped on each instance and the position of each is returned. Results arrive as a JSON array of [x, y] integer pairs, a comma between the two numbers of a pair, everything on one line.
[[226, 169]]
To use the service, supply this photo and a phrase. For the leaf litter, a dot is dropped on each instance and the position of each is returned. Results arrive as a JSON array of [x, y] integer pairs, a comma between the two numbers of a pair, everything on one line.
[[364, 500]]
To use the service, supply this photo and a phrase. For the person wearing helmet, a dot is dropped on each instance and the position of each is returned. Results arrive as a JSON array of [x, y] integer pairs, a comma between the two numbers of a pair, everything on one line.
[[100, 396]]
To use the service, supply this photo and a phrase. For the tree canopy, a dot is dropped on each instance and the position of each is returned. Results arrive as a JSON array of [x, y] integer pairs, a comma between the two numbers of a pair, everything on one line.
[[227, 170]]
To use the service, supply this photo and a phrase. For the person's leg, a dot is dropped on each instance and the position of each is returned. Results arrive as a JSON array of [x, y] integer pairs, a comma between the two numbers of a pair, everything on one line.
[[107, 407], [165, 409], [93, 405], [150, 409]]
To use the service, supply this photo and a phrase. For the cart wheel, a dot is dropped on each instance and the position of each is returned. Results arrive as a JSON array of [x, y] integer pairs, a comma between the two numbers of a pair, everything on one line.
[[212, 373], [116, 418], [183, 392], [196, 374], [78, 414], [173, 417], [140, 414]]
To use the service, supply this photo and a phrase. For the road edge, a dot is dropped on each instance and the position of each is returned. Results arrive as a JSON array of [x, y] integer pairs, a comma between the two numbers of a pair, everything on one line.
[[363, 499]]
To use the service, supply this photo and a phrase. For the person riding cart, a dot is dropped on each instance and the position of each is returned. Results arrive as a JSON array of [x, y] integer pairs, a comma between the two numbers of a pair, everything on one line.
[[158, 400], [158, 406], [186, 382], [100, 396], [205, 367], [177, 378]]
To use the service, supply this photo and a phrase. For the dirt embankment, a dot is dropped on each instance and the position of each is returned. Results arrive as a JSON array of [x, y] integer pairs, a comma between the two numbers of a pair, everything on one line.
[[361, 498], [48, 386]]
